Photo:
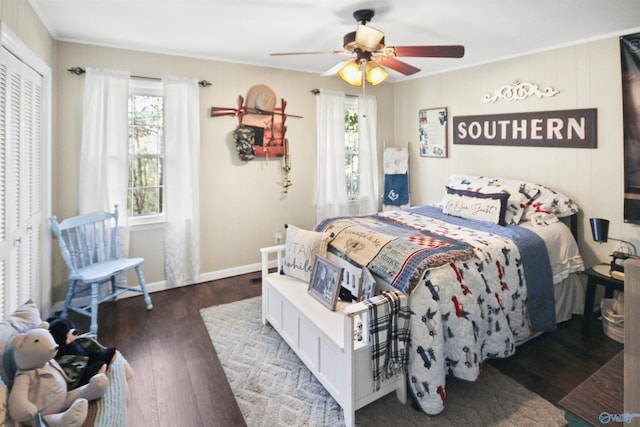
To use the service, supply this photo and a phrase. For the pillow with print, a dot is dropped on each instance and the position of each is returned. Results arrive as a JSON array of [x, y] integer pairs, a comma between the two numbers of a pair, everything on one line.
[[548, 201], [301, 247], [517, 203], [489, 207]]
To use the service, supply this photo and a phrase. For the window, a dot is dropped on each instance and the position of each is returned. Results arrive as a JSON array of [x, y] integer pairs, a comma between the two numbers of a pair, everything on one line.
[[351, 142], [146, 151]]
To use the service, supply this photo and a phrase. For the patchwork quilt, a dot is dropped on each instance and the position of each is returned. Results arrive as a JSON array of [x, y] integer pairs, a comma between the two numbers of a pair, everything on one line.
[[466, 307], [392, 250]]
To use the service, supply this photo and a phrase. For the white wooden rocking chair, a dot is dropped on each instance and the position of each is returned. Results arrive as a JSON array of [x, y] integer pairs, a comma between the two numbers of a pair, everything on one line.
[[90, 248]]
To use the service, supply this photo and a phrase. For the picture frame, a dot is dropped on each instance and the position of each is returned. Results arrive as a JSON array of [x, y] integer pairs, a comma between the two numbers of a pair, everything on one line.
[[368, 284], [325, 282], [432, 132]]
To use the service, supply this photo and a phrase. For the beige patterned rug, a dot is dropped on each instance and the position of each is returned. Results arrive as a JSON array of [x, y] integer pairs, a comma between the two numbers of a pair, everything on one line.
[[274, 388]]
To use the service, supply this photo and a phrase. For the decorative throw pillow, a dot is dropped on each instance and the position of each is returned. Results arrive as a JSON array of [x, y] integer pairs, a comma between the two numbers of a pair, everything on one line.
[[533, 198], [300, 251], [479, 206], [516, 204], [25, 317]]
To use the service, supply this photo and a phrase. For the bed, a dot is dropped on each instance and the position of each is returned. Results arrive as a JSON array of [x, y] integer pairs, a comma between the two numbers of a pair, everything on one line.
[[477, 287]]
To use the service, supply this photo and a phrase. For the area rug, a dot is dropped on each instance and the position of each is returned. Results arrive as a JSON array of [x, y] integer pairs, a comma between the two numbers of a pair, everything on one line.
[[274, 388]]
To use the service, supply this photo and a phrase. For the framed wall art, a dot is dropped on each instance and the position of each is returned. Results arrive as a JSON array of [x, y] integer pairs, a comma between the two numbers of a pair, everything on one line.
[[432, 132], [325, 282]]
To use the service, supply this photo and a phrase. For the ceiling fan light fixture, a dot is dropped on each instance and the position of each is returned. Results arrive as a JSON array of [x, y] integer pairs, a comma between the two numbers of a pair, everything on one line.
[[375, 73], [351, 73], [369, 38]]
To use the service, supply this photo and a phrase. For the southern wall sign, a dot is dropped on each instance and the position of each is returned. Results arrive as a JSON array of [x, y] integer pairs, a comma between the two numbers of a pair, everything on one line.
[[563, 128]]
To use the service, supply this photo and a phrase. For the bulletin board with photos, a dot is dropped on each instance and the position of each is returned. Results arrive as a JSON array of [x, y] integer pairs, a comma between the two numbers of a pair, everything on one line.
[[432, 132]]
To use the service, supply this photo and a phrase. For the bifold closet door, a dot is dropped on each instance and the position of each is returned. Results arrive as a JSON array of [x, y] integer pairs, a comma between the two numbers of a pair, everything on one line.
[[20, 182]]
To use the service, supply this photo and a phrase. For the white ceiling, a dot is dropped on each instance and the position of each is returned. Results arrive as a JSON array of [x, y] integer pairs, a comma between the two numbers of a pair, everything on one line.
[[248, 31]]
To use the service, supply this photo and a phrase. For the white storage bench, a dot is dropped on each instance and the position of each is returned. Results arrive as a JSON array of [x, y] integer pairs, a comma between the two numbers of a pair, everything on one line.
[[323, 339]]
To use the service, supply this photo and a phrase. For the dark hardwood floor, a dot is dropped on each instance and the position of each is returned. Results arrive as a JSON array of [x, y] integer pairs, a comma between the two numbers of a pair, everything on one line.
[[179, 381]]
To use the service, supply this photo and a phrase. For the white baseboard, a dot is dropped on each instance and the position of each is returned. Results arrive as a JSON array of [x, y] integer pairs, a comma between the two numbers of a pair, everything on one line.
[[163, 286]]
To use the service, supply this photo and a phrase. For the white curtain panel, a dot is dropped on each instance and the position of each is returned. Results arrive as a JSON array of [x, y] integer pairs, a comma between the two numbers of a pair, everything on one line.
[[182, 203], [103, 173], [368, 154], [331, 186]]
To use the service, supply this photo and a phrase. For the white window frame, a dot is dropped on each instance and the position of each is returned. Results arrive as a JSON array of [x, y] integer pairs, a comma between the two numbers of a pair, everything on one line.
[[153, 87]]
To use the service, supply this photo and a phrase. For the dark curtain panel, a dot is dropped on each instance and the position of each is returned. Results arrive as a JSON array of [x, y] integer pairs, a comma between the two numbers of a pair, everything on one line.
[[630, 55]]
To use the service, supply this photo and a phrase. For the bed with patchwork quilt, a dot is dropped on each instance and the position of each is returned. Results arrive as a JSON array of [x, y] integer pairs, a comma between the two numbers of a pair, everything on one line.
[[486, 269]]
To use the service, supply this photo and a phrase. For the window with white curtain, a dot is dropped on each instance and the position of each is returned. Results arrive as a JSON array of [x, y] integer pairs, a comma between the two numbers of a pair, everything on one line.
[[352, 146], [145, 192]]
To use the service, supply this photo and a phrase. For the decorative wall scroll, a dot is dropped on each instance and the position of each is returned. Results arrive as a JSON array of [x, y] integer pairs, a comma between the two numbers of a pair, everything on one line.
[[432, 132], [519, 91], [564, 128]]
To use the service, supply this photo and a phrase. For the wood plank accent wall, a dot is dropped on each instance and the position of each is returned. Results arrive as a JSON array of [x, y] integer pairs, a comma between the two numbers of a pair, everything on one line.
[[632, 340], [588, 75]]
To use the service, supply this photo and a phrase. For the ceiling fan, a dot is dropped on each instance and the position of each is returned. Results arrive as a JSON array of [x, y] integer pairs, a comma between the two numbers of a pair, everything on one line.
[[366, 45]]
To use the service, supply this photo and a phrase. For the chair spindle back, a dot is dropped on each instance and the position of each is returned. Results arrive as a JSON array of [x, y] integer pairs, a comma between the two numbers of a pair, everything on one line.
[[87, 239]]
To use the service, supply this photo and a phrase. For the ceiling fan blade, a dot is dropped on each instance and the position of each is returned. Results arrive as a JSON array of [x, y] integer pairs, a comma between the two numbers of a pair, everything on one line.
[[334, 70], [328, 52], [451, 51], [395, 64]]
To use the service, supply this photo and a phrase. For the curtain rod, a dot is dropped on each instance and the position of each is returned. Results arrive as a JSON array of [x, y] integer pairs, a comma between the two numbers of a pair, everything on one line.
[[79, 71], [317, 91]]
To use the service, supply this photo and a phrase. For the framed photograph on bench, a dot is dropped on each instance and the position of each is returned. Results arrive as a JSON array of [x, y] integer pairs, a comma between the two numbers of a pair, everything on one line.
[[368, 286], [325, 282]]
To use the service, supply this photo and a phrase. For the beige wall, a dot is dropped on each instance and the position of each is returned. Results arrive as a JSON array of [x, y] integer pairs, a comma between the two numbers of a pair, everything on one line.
[[24, 22], [241, 203], [587, 76]]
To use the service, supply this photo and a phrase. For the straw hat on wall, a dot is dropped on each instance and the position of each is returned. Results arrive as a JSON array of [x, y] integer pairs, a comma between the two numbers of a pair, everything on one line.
[[261, 97]]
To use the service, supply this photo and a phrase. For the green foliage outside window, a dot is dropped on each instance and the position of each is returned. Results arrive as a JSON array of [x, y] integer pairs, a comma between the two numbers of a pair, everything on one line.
[[146, 151], [351, 152]]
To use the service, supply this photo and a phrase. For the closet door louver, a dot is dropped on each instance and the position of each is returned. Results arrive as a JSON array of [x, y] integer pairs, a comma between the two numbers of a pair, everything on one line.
[[20, 181]]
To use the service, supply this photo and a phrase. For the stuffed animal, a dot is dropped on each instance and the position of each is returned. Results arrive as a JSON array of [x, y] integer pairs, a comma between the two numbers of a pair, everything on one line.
[[40, 385], [89, 360]]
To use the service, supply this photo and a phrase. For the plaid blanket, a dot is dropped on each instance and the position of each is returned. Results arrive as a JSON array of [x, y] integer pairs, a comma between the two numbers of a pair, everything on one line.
[[389, 321]]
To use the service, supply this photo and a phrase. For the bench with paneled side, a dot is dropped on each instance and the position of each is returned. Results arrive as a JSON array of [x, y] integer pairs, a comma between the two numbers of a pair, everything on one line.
[[323, 339]]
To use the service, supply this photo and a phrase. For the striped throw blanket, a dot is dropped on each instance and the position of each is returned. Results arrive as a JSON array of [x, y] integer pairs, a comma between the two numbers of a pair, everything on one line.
[[389, 321]]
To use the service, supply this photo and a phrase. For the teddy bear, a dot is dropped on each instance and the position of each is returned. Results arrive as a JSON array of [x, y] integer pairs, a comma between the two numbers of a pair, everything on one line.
[[40, 384], [80, 362]]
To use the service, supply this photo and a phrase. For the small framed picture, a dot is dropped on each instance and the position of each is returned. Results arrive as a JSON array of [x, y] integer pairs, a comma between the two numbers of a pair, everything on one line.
[[325, 282], [368, 287]]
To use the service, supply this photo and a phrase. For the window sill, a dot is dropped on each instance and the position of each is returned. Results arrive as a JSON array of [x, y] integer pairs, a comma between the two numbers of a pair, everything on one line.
[[147, 223]]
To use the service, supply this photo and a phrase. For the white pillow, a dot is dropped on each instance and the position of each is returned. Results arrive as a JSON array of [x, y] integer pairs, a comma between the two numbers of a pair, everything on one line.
[[25, 317], [300, 251], [517, 201], [478, 208]]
